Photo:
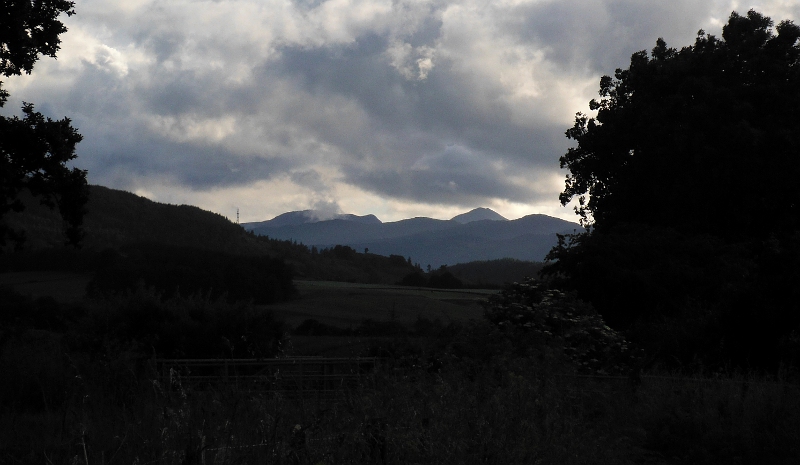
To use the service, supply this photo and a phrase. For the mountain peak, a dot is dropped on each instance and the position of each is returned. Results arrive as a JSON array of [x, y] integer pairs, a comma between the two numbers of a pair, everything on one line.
[[297, 218], [478, 214]]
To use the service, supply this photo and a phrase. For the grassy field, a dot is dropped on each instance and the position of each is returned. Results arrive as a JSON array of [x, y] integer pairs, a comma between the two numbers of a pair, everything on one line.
[[346, 305], [60, 285], [81, 390]]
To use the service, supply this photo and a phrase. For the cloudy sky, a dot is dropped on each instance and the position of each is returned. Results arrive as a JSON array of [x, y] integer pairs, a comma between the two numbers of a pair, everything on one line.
[[399, 108]]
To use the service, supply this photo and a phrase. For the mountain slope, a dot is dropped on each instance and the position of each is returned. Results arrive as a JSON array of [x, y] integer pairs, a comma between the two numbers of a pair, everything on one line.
[[310, 216], [114, 218], [478, 214], [195, 240], [345, 232], [430, 241]]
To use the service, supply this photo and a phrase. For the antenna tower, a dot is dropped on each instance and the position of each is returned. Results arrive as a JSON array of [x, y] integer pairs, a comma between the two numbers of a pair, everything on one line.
[[237, 215]]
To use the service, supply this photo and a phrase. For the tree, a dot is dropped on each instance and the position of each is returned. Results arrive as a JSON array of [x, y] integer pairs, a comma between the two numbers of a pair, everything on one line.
[[34, 150], [696, 137], [686, 177]]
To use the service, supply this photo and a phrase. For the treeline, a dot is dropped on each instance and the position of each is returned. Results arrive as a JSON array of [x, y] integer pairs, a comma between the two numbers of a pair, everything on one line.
[[494, 274], [169, 270], [488, 274], [185, 271], [439, 279], [338, 263]]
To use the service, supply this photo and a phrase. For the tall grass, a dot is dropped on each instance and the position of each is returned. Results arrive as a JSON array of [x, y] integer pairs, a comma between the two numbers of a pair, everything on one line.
[[455, 395], [506, 410]]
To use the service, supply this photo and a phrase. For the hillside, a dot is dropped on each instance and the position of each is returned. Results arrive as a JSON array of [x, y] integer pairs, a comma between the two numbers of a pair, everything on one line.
[[120, 224], [134, 226], [115, 218]]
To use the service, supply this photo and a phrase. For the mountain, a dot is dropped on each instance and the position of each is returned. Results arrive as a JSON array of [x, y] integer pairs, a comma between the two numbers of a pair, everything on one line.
[[480, 234], [313, 216], [478, 214]]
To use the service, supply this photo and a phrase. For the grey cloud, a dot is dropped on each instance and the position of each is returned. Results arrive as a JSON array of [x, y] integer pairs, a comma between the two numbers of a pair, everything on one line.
[[383, 125], [107, 111], [600, 36], [456, 175], [440, 106], [407, 119], [310, 179], [324, 209], [411, 120], [200, 167], [164, 44], [307, 4], [181, 92], [323, 206], [455, 188]]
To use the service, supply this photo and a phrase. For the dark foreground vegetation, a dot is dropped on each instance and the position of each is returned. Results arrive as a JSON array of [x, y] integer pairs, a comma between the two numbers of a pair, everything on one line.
[[686, 177], [697, 364], [79, 387]]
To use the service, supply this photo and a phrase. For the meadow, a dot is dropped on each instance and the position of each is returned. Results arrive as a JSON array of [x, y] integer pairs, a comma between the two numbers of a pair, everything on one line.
[[78, 389], [348, 304]]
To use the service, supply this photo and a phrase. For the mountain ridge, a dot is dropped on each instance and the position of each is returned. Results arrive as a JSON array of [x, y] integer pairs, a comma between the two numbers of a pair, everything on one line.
[[479, 214], [294, 218], [430, 241]]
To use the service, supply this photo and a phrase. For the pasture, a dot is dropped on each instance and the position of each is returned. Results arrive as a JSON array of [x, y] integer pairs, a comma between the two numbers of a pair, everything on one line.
[[79, 388], [346, 305], [62, 286]]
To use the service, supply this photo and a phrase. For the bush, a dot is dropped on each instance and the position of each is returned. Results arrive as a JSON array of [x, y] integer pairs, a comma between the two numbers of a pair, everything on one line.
[[178, 327], [537, 317]]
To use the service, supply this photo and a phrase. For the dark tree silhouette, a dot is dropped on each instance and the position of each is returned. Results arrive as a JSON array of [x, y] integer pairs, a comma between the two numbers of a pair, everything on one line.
[[697, 137], [34, 150], [687, 180]]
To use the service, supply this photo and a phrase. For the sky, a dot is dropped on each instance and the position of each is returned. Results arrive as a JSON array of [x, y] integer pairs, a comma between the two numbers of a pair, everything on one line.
[[395, 108]]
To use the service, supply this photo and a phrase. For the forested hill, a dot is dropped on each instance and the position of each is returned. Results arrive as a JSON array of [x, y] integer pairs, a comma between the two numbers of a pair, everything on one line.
[[148, 233], [152, 232], [115, 218]]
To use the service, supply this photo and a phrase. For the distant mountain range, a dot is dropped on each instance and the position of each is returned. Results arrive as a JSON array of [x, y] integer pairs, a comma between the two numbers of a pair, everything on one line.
[[480, 234], [124, 222]]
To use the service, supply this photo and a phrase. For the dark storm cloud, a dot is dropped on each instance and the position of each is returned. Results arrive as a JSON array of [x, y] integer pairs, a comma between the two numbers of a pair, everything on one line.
[[181, 93], [437, 102], [460, 188], [600, 36], [438, 108], [198, 166], [454, 176], [415, 119]]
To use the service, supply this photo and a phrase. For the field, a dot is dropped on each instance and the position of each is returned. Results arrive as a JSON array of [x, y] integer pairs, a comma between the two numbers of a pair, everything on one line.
[[346, 305], [79, 389], [60, 285]]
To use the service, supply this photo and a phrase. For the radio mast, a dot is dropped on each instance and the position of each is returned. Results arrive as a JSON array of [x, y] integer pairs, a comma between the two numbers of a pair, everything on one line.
[[237, 215]]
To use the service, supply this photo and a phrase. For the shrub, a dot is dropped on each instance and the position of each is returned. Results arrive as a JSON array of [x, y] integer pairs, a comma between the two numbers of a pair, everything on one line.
[[195, 327], [185, 271], [533, 314]]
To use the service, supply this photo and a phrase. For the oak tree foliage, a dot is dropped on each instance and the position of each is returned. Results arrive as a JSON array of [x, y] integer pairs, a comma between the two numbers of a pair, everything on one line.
[[687, 179], [704, 138], [35, 150]]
